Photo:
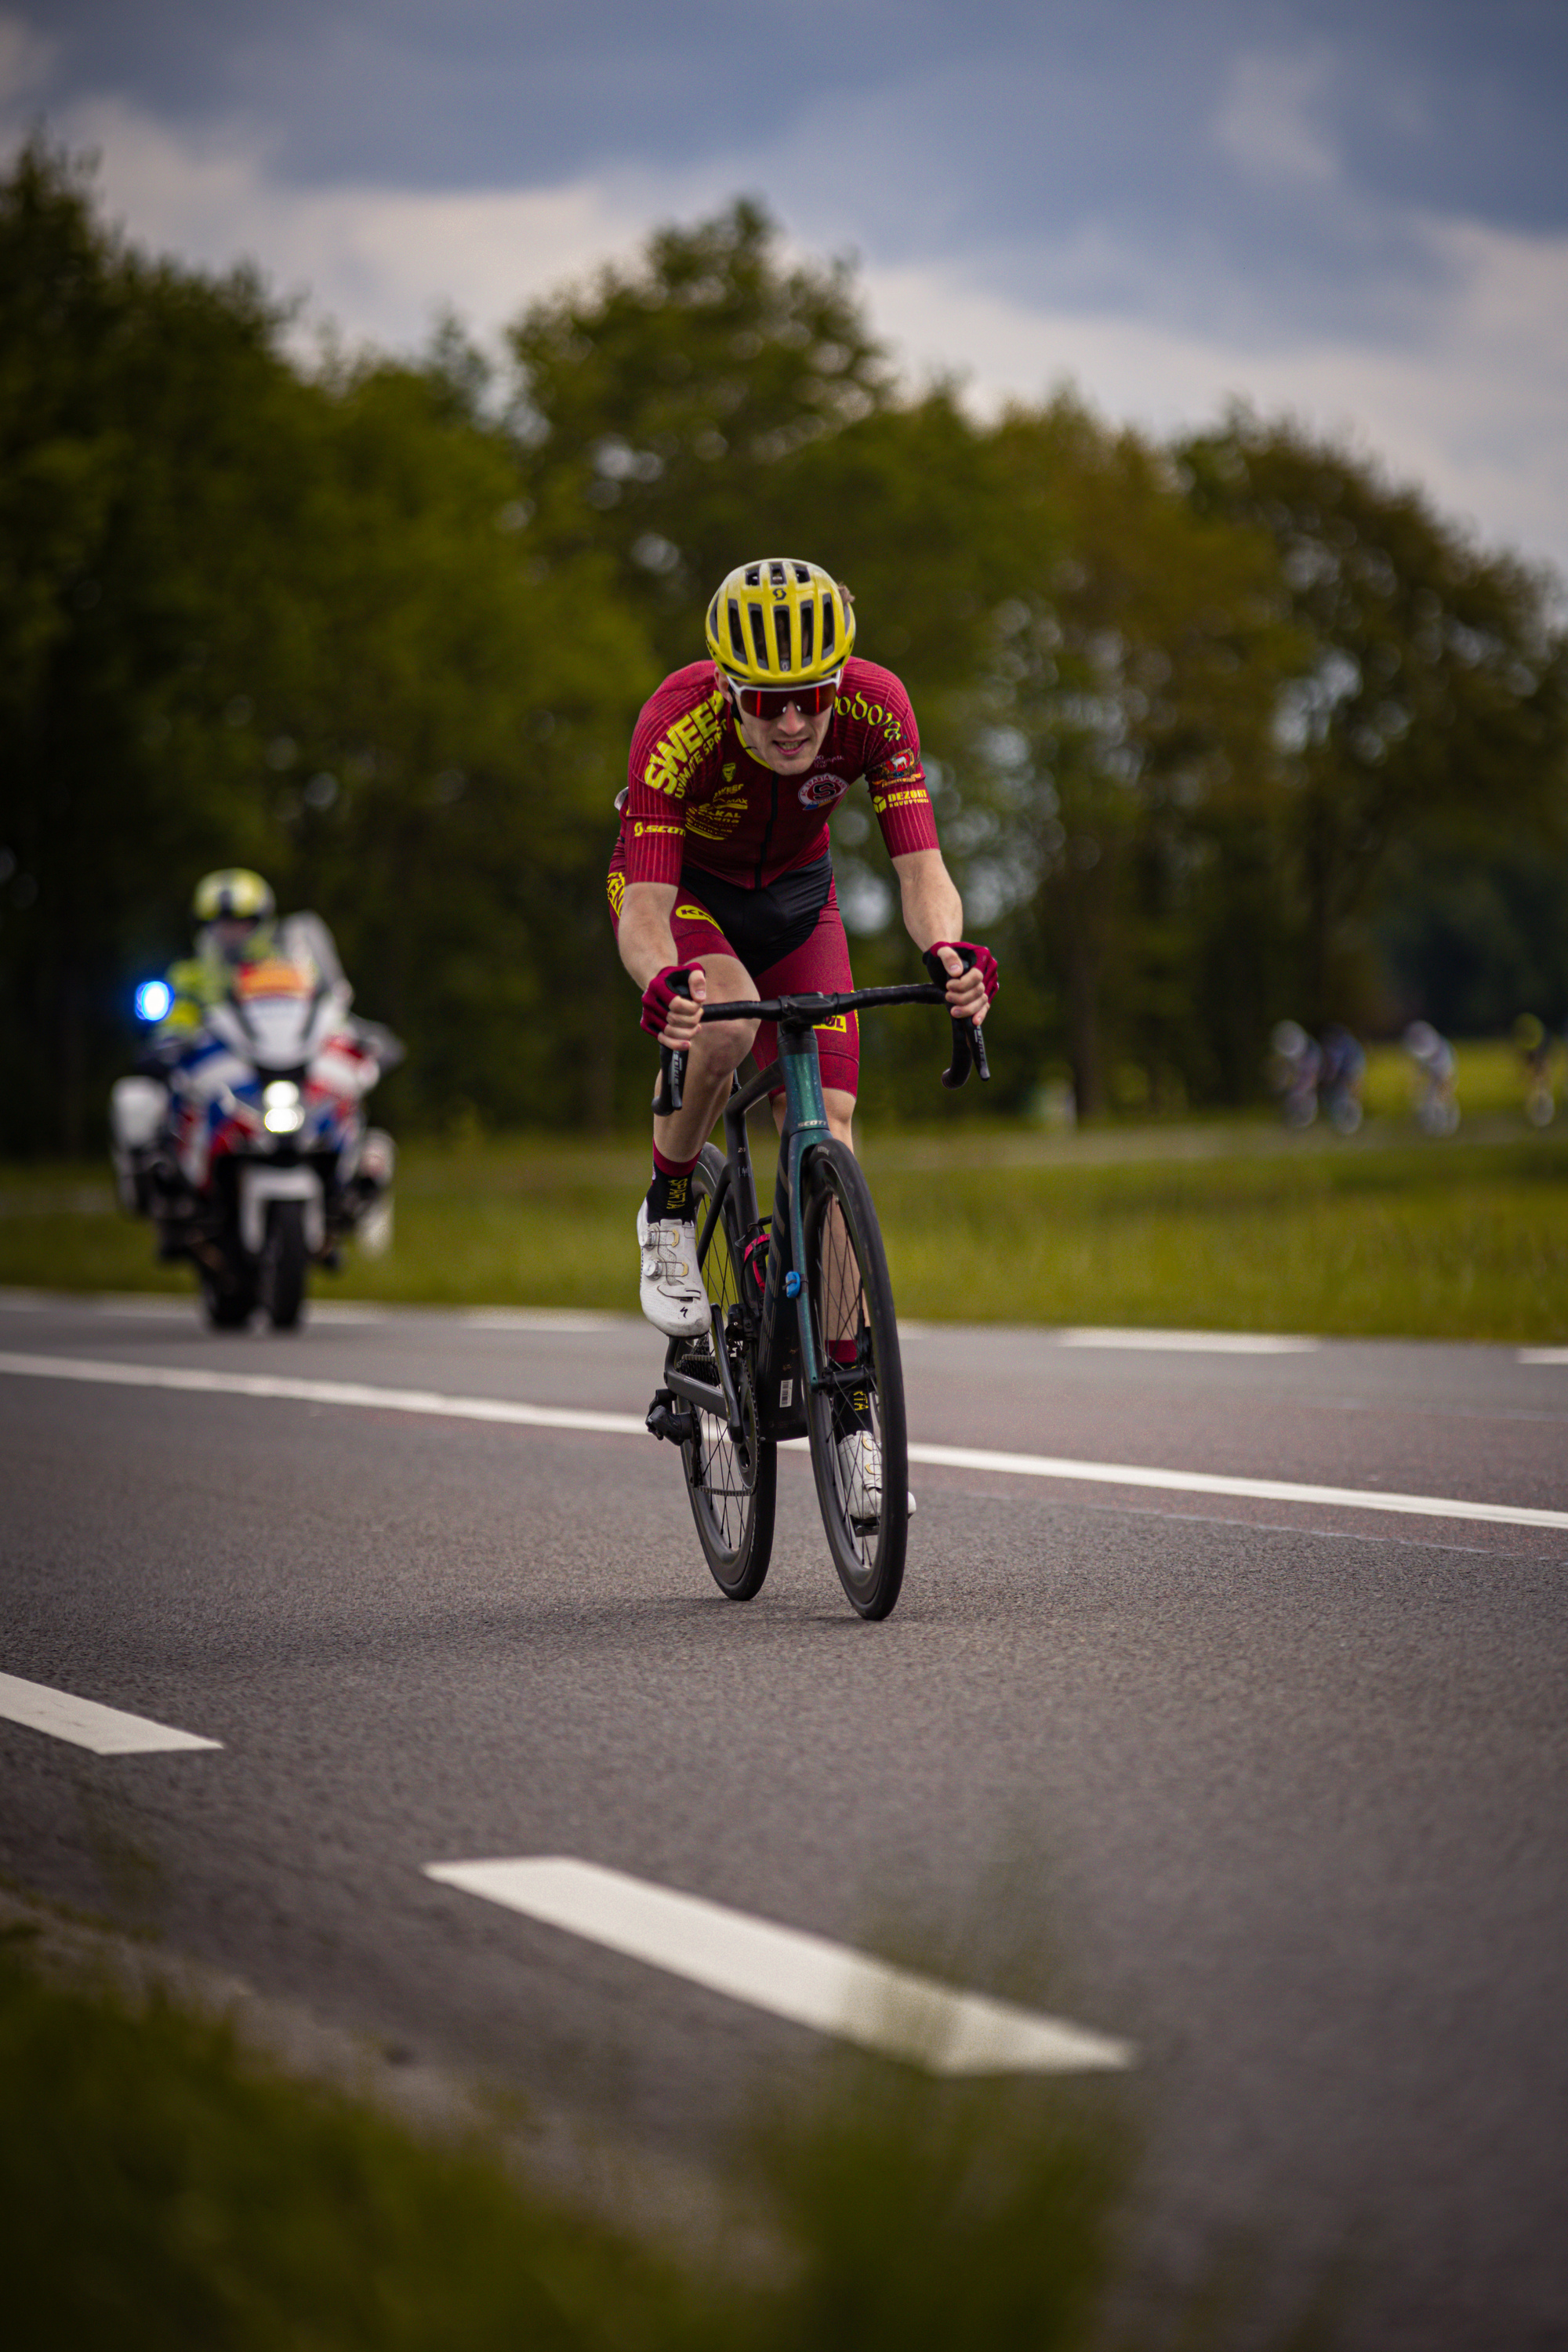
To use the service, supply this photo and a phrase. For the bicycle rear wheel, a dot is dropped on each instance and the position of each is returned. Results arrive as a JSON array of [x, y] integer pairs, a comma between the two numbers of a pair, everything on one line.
[[855, 1340], [733, 1487]]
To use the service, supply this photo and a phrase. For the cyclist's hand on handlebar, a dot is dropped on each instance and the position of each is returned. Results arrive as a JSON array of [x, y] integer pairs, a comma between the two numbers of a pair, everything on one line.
[[667, 1015], [971, 974]]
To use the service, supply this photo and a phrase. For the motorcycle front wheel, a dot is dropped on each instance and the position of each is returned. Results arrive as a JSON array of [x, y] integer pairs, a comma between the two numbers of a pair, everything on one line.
[[227, 1288], [280, 1270]]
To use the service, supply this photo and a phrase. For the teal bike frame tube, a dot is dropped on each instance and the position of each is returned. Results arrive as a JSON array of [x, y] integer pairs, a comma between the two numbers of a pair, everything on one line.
[[805, 1124]]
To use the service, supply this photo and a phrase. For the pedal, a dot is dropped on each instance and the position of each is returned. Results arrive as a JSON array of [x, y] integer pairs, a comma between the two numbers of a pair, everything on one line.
[[667, 1419]]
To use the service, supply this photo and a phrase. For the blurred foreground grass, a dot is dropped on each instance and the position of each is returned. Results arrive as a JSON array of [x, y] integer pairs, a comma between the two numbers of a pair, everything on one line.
[[162, 2191], [1219, 1228]]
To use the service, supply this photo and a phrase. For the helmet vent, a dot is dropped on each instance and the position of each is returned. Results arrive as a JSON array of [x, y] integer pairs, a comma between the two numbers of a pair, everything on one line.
[[737, 635], [781, 635], [807, 633], [829, 628], [753, 575], [759, 636]]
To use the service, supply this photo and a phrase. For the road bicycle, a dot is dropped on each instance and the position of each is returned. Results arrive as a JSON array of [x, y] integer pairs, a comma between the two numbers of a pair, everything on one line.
[[804, 1340]]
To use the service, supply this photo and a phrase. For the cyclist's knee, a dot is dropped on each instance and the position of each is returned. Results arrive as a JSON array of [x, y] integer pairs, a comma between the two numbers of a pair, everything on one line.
[[724, 1044]]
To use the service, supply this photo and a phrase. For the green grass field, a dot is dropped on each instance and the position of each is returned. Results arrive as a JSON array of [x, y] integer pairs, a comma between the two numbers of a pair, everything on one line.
[[1232, 1229]]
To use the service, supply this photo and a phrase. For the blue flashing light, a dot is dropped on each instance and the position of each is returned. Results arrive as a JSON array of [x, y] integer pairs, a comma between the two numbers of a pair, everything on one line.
[[153, 999]]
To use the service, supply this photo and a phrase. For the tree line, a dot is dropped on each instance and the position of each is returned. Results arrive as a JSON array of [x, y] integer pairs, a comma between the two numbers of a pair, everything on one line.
[[1218, 729]]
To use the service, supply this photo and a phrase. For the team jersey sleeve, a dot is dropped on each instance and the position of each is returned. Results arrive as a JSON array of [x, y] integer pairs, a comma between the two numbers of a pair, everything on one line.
[[895, 776], [675, 739]]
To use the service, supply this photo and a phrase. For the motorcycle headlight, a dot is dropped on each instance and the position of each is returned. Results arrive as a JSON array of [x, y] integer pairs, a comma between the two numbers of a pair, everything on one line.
[[282, 1112]]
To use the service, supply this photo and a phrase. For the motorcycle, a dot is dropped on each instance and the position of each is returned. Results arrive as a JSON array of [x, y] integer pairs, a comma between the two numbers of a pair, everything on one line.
[[244, 1141]]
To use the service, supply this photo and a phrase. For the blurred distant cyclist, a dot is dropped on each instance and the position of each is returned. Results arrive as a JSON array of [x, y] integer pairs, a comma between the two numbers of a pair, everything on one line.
[[722, 876]]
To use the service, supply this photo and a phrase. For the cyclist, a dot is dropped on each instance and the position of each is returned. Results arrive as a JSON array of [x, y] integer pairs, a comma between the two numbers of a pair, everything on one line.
[[722, 876]]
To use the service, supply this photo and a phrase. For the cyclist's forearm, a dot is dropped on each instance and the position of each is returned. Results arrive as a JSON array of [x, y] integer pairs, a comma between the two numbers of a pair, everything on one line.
[[932, 908], [646, 941]]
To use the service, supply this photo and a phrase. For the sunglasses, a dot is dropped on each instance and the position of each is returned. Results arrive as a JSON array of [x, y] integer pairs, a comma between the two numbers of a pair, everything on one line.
[[772, 701]]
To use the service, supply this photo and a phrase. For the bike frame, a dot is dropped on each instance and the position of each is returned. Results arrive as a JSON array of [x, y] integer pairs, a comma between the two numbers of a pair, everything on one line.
[[786, 1366]]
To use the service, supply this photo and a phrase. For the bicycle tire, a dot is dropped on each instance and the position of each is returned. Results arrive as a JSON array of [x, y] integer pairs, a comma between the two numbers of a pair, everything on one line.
[[849, 1297], [733, 1489]]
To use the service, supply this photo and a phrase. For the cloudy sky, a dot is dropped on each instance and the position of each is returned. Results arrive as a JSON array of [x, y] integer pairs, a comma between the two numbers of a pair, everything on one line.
[[1356, 213]]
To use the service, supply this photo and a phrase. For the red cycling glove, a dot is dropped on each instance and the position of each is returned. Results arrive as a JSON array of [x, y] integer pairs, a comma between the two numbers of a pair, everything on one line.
[[975, 959], [658, 997]]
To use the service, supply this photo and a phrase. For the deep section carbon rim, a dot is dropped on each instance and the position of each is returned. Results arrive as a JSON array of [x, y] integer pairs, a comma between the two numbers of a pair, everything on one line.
[[859, 1444], [732, 1485]]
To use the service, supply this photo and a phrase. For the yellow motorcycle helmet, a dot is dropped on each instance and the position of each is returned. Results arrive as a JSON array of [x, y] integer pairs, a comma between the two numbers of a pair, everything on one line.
[[780, 622], [234, 893]]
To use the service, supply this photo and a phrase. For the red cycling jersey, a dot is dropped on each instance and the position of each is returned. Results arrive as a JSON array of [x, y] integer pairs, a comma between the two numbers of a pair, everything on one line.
[[699, 797]]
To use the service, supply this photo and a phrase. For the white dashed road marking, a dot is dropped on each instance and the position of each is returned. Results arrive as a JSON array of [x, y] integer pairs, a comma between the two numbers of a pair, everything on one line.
[[1190, 1343], [801, 1976], [105, 1729], [364, 1396]]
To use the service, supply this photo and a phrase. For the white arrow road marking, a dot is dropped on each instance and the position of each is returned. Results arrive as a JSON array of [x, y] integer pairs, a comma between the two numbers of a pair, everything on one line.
[[800, 1977], [362, 1394], [105, 1729]]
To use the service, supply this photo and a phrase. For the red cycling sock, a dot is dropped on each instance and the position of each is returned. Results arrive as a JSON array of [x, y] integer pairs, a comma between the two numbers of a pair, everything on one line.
[[665, 1167]]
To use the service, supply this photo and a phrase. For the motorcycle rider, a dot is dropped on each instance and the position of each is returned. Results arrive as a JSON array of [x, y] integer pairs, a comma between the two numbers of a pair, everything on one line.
[[238, 918], [238, 933]]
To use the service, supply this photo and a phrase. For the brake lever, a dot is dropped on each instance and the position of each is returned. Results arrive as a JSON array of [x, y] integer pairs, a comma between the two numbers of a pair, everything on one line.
[[668, 1093], [968, 1053]]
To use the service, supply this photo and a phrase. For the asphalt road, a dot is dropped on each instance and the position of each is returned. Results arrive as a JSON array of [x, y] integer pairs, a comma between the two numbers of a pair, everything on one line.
[[1274, 1791]]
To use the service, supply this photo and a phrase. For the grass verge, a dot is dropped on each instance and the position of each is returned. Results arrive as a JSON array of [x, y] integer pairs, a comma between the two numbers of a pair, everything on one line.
[[1450, 1241], [158, 2188]]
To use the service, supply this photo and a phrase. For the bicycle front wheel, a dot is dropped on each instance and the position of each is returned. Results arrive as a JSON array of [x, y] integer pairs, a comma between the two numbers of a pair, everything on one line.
[[859, 1441], [732, 1484]]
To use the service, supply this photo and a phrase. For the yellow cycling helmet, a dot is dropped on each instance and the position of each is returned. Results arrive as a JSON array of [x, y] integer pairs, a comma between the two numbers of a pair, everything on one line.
[[234, 891], [780, 622]]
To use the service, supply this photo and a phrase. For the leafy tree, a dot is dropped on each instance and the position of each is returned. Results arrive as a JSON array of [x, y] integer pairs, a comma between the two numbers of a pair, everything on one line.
[[293, 622], [1435, 701], [1124, 775], [659, 408]]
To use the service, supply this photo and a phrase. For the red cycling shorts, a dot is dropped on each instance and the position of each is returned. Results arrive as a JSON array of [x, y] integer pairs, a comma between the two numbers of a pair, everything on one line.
[[712, 917]]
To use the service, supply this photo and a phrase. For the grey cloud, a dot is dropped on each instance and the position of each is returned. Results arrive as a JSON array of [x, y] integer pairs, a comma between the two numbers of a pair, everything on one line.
[[1430, 102], [1253, 168]]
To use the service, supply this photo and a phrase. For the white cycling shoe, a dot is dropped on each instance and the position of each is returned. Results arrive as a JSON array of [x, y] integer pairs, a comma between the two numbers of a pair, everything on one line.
[[671, 1292], [860, 1467]]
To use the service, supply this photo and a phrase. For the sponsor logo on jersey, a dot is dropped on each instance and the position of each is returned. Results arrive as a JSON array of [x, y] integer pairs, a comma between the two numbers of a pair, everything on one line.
[[642, 827], [821, 792], [697, 915], [682, 748], [882, 800], [840, 1022], [901, 763], [616, 886]]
